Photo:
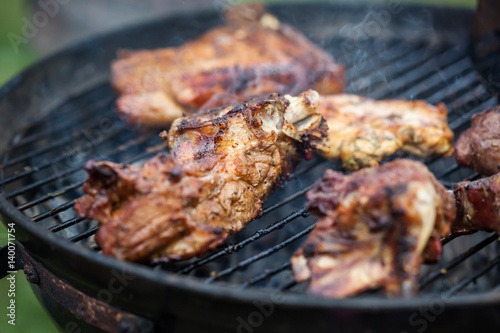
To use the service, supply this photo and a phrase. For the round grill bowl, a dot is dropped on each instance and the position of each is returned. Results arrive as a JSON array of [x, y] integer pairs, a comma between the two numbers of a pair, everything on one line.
[[405, 59]]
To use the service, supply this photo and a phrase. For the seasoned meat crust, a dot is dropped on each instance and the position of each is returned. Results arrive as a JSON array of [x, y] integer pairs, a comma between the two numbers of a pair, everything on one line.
[[223, 165], [479, 146], [363, 131], [377, 226], [478, 205], [250, 55]]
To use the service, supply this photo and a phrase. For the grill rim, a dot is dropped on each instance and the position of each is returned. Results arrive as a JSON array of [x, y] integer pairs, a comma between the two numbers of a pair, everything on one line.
[[45, 246], [223, 290]]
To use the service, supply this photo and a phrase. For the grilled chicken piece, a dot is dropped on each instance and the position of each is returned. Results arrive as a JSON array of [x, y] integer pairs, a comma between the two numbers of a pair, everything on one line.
[[378, 225], [479, 146], [251, 55], [363, 131], [478, 205], [223, 165]]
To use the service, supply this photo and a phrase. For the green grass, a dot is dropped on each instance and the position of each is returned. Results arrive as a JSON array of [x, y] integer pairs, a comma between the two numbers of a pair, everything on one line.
[[30, 316], [11, 62]]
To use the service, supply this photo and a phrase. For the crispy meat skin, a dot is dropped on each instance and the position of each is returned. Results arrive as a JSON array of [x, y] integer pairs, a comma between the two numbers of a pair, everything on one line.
[[479, 146], [378, 225], [478, 205], [251, 55], [223, 165], [363, 131]]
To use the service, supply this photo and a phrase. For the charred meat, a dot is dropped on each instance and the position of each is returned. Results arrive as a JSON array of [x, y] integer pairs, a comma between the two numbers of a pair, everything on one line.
[[363, 131], [478, 205], [250, 55], [377, 227], [223, 165], [479, 146]]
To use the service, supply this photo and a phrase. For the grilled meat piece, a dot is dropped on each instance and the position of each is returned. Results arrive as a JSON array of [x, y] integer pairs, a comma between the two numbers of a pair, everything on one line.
[[250, 55], [223, 165], [478, 205], [479, 146], [363, 131], [377, 226]]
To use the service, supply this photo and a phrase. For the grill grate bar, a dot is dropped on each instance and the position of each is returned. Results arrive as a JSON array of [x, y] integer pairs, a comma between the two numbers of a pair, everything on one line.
[[447, 185], [376, 82], [43, 182], [70, 187], [402, 68], [288, 286], [407, 77], [431, 277], [472, 94], [452, 168], [72, 103], [474, 176], [453, 89], [54, 211], [34, 185], [376, 52], [488, 62], [33, 169], [259, 256], [150, 151], [54, 145], [36, 152], [238, 246], [446, 74], [393, 54], [67, 224], [448, 239], [461, 90], [50, 196], [308, 168], [468, 280], [465, 117], [292, 197], [266, 274], [89, 117], [83, 235]]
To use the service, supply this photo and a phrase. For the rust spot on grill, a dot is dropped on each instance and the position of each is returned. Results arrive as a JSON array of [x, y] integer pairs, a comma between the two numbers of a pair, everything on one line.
[[31, 273]]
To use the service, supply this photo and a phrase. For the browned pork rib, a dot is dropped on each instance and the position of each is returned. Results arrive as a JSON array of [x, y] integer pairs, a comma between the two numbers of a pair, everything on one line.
[[479, 146], [250, 55], [363, 131], [377, 226], [478, 205], [223, 165]]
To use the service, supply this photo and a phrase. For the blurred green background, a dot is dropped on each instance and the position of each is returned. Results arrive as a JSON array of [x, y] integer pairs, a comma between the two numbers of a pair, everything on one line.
[[30, 316]]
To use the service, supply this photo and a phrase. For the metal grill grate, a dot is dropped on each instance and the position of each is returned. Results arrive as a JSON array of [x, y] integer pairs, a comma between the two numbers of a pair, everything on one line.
[[42, 170]]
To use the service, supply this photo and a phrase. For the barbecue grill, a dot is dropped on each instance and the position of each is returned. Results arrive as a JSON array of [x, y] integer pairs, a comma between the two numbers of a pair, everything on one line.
[[61, 113]]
